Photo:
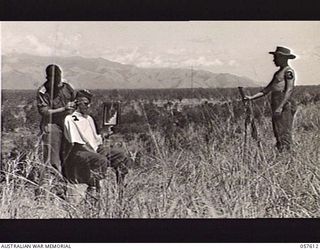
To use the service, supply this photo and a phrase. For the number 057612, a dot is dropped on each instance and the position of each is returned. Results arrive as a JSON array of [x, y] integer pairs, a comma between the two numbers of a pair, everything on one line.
[[309, 245]]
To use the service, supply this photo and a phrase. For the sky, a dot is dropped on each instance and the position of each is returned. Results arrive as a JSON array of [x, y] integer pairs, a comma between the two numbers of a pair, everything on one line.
[[236, 47]]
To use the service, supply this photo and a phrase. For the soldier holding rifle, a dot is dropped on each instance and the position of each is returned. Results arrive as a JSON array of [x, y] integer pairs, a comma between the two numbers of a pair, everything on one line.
[[282, 106]]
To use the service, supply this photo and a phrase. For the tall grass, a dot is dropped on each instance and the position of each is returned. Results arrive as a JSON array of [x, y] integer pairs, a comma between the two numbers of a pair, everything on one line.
[[208, 174]]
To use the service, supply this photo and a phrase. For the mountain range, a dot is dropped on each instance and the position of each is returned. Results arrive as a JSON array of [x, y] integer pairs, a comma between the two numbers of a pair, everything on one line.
[[23, 71]]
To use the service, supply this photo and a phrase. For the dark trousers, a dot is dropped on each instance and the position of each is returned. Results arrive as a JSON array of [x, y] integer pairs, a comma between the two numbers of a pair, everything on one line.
[[282, 124], [82, 166]]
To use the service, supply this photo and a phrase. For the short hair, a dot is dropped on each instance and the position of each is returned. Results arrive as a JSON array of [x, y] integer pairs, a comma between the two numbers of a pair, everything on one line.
[[84, 93], [52, 70]]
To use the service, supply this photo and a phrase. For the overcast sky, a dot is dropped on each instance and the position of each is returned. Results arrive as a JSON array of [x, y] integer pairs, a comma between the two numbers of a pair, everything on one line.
[[237, 47]]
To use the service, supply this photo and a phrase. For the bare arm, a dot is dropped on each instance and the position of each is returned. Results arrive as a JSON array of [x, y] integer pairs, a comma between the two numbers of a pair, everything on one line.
[[48, 111], [261, 93], [289, 80], [45, 110], [254, 97]]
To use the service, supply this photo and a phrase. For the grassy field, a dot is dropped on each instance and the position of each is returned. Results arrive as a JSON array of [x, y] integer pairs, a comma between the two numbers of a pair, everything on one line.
[[199, 170]]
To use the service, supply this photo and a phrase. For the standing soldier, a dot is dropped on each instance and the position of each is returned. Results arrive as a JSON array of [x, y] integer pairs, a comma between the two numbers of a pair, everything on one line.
[[281, 88], [54, 99]]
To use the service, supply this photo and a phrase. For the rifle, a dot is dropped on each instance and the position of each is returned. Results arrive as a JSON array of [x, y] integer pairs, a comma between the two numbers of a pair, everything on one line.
[[249, 116], [249, 121]]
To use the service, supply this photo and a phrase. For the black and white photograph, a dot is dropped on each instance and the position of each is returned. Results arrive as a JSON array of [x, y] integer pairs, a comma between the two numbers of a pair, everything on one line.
[[154, 119]]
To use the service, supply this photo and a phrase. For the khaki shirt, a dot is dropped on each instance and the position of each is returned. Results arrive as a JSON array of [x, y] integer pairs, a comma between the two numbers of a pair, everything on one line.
[[64, 95]]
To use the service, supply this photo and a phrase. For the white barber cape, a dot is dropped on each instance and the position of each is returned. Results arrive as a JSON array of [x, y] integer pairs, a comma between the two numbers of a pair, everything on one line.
[[82, 130]]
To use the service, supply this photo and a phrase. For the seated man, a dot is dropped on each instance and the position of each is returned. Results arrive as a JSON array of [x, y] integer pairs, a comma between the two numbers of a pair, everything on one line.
[[87, 160]]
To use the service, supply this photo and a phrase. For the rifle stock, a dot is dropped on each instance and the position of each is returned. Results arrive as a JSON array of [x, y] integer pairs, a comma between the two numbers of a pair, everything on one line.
[[249, 115], [241, 93]]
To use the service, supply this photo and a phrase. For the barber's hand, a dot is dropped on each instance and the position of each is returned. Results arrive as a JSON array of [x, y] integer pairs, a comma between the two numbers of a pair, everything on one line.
[[107, 133], [70, 106]]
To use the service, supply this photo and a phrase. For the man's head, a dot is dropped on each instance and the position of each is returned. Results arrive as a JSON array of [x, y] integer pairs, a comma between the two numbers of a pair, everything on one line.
[[54, 74], [83, 99], [281, 56]]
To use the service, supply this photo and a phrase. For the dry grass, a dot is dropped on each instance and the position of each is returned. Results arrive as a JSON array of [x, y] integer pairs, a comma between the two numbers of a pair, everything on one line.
[[200, 181]]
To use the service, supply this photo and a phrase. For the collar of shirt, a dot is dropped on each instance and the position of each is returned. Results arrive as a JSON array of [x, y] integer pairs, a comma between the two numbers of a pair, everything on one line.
[[78, 114]]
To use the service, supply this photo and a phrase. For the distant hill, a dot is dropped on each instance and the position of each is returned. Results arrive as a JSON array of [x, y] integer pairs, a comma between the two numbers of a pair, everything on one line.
[[22, 71]]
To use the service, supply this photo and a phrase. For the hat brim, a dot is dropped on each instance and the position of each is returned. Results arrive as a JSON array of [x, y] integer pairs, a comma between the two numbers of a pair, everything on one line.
[[290, 56]]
